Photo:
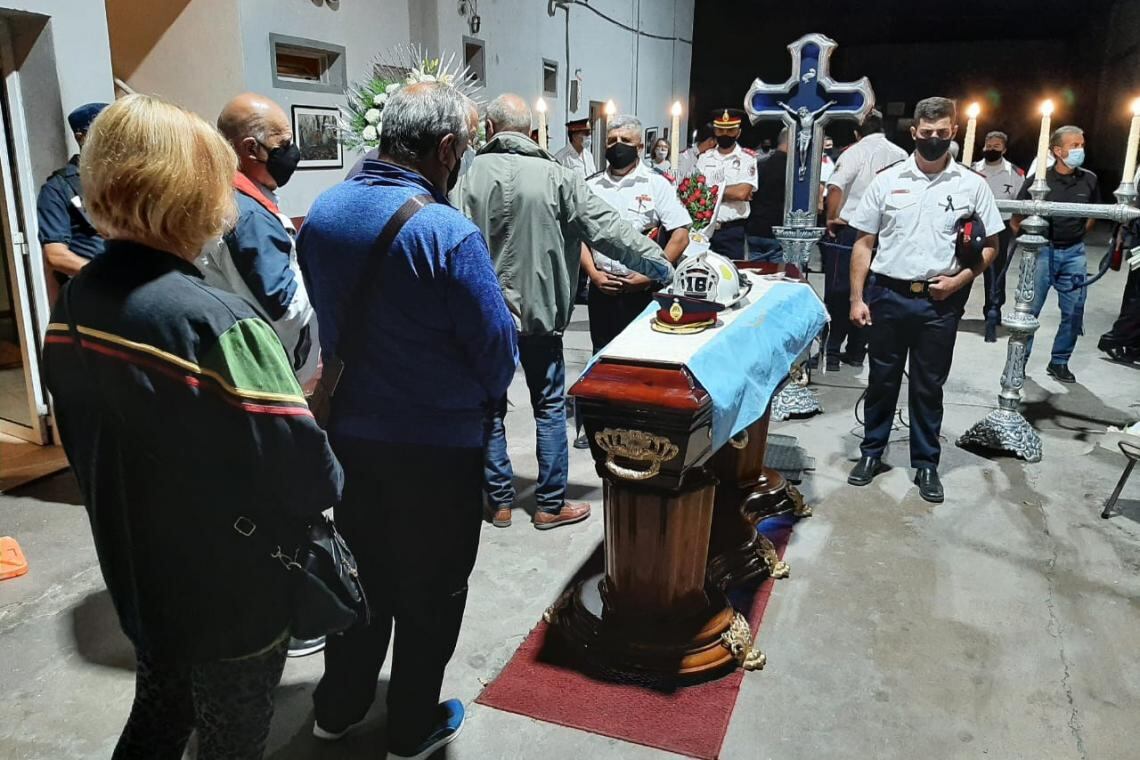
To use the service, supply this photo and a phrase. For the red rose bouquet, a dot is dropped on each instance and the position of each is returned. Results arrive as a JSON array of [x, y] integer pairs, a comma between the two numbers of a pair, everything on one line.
[[699, 199]]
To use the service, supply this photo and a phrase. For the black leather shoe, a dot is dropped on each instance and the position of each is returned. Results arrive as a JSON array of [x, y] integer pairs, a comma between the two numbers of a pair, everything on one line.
[[929, 486], [852, 360], [865, 471], [833, 364], [1061, 373]]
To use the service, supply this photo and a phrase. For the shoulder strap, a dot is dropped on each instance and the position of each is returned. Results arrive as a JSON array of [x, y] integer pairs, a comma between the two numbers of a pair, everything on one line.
[[369, 278]]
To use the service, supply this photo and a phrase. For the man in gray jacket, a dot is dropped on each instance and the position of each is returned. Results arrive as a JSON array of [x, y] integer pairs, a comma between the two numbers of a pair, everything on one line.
[[536, 214]]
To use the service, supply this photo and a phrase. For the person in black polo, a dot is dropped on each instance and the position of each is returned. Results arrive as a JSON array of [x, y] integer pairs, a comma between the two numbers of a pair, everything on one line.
[[1062, 265], [67, 235], [768, 204]]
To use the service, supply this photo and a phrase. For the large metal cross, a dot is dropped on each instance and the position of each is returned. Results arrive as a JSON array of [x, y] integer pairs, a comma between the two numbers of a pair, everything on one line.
[[805, 103]]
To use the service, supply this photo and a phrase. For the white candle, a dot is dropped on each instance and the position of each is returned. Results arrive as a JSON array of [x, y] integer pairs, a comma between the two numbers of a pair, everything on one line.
[[971, 129], [541, 108], [675, 136], [1130, 149], [1043, 140]]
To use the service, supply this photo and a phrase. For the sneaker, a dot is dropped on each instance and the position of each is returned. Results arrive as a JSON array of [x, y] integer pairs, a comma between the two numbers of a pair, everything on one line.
[[305, 647], [445, 732], [326, 735], [571, 512], [1061, 373], [502, 518]]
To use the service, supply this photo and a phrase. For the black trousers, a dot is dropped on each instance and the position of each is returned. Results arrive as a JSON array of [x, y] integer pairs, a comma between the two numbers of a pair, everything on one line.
[[994, 276], [609, 315], [730, 240], [836, 254], [411, 515], [1125, 332], [924, 331], [228, 702]]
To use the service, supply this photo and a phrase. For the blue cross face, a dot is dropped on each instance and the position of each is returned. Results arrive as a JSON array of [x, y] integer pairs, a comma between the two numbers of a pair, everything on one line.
[[805, 103]]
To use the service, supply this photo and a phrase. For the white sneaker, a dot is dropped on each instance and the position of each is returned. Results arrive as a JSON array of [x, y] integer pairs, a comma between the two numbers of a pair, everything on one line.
[[331, 736]]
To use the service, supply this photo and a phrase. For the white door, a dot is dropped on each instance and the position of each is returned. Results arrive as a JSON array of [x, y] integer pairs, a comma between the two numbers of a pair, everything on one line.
[[23, 402]]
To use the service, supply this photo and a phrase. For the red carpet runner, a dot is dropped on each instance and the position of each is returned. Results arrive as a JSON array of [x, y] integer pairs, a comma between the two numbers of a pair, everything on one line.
[[691, 721]]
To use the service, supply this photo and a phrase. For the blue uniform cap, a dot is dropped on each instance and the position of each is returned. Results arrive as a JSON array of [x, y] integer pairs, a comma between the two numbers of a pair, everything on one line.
[[80, 119]]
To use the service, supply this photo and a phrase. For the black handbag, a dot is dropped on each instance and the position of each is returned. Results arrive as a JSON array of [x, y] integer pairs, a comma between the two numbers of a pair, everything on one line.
[[321, 400], [328, 596]]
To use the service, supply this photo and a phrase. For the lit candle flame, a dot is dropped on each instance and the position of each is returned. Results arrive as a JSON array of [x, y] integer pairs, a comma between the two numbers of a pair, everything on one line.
[[611, 109], [1136, 107], [676, 108], [1047, 108], [973, 110], [540, 106]]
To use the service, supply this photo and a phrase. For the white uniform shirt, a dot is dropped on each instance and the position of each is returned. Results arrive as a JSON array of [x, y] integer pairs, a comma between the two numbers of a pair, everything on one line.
[[645, 199], [826, 169], [857, 167], [687, 162], [583, 162], [1005, 180], [915, 218], [735, 168]]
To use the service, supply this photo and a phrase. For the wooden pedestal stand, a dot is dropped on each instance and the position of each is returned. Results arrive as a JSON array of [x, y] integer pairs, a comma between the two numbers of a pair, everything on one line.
[[653, 614]]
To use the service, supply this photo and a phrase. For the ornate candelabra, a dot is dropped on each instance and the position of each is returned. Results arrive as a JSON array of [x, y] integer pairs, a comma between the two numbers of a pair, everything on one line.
[[1005, 428], [797, 237]]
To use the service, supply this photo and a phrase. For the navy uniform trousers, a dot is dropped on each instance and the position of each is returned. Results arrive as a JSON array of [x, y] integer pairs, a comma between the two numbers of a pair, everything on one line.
[[923, 330]]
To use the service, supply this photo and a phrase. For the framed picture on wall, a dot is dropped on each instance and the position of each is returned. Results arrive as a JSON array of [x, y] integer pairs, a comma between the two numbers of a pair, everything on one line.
[[317, 134], [650, 138]]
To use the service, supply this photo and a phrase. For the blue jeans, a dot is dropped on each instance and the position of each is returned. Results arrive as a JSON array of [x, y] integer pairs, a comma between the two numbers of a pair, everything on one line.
[[764, 249], [1060, 268], [545, 370]]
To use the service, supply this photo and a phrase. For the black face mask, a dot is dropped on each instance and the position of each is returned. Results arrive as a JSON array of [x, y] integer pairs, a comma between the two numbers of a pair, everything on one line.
[[725, 141], [932, 148], [453, 175], [620, 155], [281, 162], [992, 156]]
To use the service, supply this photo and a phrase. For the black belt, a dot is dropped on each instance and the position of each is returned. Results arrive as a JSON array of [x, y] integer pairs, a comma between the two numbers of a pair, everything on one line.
[[908, 288], [1065, 243]]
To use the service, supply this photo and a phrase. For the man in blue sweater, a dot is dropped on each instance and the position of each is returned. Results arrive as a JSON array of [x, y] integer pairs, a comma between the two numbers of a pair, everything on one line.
[[428, 350]]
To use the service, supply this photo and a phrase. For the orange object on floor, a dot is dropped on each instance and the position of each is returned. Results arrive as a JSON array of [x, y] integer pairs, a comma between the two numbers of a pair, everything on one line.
[[12, 561]]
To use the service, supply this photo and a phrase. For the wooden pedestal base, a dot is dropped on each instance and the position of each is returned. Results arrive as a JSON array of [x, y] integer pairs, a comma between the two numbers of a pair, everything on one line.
[[653, 616], [701, 646]]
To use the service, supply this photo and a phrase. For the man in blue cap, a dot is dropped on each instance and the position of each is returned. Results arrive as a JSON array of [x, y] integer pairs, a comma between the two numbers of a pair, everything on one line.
[[68, 238]]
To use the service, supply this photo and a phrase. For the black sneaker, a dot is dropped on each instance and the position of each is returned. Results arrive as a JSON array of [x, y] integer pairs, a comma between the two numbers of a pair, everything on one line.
[[833, 364], [1061, 373]]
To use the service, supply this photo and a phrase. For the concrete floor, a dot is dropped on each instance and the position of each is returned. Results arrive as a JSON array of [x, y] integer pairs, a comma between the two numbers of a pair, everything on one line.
[[1003, 623]]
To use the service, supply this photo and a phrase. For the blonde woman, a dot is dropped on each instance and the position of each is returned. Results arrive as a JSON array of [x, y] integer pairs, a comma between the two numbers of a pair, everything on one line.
[[189, 436]]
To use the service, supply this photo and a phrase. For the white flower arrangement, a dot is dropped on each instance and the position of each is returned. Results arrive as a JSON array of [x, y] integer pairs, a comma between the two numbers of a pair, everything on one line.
[[362, 117]]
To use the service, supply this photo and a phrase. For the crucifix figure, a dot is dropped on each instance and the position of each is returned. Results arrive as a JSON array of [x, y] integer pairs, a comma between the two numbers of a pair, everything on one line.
[[806, 102], [806, 120]]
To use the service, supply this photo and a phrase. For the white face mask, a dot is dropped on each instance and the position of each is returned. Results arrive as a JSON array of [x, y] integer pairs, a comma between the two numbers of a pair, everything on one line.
[[661, 154], [587, 144]]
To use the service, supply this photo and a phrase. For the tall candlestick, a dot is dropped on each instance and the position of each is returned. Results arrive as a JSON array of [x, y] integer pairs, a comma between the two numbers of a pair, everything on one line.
[[971, 129], [675, 136], [1130, 149], [541, 108], [1043, 141]]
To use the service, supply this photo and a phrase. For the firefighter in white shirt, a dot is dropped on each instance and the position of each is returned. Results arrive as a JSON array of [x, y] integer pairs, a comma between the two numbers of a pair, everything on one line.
[[1005, 181], [576, 155], [733, 170], [649, 202], [687, 161], [854, 171], [920, 210]]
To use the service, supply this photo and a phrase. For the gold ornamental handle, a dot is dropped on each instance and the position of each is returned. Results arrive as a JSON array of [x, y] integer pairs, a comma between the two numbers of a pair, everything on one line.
[[636, 446]]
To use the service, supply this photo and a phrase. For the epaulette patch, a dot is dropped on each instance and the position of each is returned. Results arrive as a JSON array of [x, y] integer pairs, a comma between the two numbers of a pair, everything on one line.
[[1019, 170], [748, 151]]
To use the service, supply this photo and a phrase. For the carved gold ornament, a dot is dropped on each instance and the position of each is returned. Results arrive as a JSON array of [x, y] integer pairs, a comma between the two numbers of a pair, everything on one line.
[[740, 440], [738, 640], [636, 446]]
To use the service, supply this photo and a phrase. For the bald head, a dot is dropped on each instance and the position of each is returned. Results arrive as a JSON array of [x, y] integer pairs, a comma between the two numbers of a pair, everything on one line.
[[255, 125], [509, 113]]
